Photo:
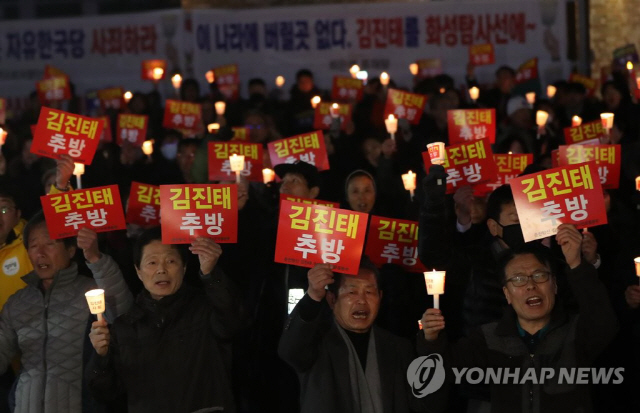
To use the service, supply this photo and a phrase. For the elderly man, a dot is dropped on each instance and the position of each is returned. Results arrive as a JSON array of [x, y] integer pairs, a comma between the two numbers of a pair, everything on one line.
[[47, 320], [344, 362], [170, 353], [536, 332], [299, 179]]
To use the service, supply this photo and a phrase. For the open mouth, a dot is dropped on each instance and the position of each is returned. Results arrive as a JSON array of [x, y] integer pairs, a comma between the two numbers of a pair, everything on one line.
[[360, 314], [162, 283], [534, 301], [43, 266]]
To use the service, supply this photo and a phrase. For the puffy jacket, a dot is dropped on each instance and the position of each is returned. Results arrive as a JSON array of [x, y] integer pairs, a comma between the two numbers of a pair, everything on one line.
[[14, 263], [49, 330]]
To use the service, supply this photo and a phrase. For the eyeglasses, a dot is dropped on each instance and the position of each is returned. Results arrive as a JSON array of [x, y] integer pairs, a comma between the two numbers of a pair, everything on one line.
[[5, 209], [254, 127], [522, 280]]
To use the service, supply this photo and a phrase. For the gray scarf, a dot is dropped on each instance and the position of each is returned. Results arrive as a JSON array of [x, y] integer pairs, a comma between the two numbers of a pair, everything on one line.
[[365, 388]]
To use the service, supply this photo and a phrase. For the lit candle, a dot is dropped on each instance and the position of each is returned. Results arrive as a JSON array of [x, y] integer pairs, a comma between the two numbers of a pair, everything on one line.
[[334, 110], [392, 125], [210, 76], [213, 127], [551, 91], [78, 171], [127, 96], [384, 78], [268, 175], [280, 81], [420, 324], [637, 183], [607, 120], [147, 147], [637, 262], [157, 73], [220, 107], [354, 70], [362, 75], [176, 81], [541, 118], [435, 285], [315, 101], [638, 82], [576, 121], [629, 66], [3, 136], [95, 299], [413, 68], [409, 181], [474, 93], [237, 165], [531, 98], [436, 152]]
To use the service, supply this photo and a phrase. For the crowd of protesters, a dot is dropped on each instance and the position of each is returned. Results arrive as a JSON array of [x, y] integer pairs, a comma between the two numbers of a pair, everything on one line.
[[209, 328]]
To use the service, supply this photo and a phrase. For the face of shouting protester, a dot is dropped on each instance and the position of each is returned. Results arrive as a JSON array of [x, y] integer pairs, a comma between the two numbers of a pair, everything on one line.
[[361, 194], [356, 305], [47, 256], [161, 269]]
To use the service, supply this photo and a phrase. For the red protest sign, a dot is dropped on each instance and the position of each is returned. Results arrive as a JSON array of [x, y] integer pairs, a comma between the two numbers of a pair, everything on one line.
[[471, 124], [182, 115], [314, 234], [241, 133], [527, 71], [98, 208], [346, 88], [429, 67], [285, 197], [482, 54], [469, 164], [509, 166], [228, 81], [59, 133], [51, 71], [591, 133], [323, 115], [589, 83], [606, 157], [112, 98], [394, 241], [426, 159], [405, 105], [565, 195], [308, 147], [132, 128], [3, 111], [105, 136], [555, 158], [143, 206], [191, 211], [149, 65], [220, 167], [53, 89]]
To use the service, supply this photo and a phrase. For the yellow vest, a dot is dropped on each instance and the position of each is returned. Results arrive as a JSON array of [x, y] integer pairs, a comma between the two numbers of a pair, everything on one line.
[[14, 263]]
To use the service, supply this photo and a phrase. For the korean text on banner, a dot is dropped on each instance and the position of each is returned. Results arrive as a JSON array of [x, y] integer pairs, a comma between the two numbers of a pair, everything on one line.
[[405, 105], [98, 208], [241, 133], [509, 166], [148, 66], [606, 157], [346, 89], [394, 241], [591, 133], [58, 133], [471, 124], [314, 234], [220, 166], [53, 89], [182, 115], [228, 81], [143, 207], [482, 54], [429, 68], [322, 119], [112, 98], [106, 129], [132, 128], [191, 211], [285, 197], [469, 164], [565, 195], [308, 147]]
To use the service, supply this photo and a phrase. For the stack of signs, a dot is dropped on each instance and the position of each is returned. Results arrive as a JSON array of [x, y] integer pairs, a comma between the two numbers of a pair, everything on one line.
[[132, 129], [587, 133], [308, 147], [112, 98], [314, 234], [394, 241], [285, 197], [346, 88], [606, 157], [228, 81], [482, 54], [469, 164], [143, 207], [98, 208], [509, 167], [58, 133], [405, 105], [181, 115], [220, 166], [322, 118], [199, 210], [148, 66], [467, 125], [565, 195]]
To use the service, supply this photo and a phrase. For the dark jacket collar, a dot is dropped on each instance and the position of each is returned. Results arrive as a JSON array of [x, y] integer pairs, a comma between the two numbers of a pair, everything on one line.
[[508, 324], [145, 304], [62, 278]]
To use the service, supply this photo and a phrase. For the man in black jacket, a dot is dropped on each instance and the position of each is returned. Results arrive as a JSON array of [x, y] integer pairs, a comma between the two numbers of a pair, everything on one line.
[[170, 352]]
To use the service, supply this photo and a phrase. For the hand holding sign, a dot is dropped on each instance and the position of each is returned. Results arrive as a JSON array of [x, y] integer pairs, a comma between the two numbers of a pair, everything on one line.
[[570, 239], [208, 252], [88, 243], [64, 170], [319, 277]]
